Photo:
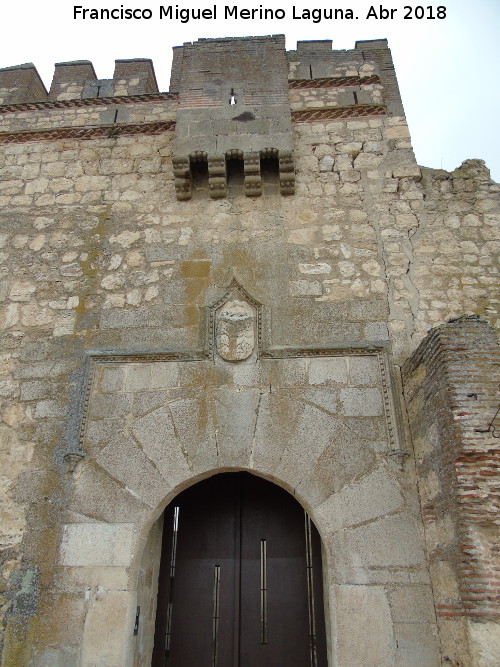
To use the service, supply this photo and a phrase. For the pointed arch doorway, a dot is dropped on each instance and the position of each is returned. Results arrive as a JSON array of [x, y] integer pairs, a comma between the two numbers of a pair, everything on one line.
[[240, 579]]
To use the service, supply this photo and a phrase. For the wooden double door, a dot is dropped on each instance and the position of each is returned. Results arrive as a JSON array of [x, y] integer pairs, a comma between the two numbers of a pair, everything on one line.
[[240, 580]]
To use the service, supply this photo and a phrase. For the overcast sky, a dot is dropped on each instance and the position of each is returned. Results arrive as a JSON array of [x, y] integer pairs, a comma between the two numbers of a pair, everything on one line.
[[448, 69]]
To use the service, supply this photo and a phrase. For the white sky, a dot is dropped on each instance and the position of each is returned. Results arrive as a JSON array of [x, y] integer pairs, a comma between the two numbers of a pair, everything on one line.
[[447, 69]]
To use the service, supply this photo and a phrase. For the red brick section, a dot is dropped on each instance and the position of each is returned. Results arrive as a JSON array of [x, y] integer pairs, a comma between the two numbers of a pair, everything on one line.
[[95, 132], [332, 113], [90, 102], [333, 82], [24, 82], [452, 383], [262, 60]]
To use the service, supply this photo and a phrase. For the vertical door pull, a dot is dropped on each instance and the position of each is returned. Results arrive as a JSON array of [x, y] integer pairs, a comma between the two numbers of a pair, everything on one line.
[[263, 592], [310, 592], [173, 556], [215, 621]]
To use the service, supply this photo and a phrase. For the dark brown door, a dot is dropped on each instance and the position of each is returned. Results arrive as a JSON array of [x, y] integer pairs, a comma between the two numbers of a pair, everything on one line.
[[240, 579]]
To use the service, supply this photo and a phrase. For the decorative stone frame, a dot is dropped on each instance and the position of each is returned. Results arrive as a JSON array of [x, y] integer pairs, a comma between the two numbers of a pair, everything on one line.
[[135, 460]]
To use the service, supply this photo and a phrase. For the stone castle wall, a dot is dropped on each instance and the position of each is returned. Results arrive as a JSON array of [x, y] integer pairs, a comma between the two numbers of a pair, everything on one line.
[[354, 253], [457, 458]]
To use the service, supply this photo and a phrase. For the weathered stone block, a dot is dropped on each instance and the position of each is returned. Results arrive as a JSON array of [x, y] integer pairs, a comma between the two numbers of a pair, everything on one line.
[[305, 288], [374, 496], [64, 656], [236, 413], [369, 641], [316, 432], [386, 542], [328, 371], [107, 627], [156, 434], [50, 408], [412, 604], [361, 402], [119, 319], [109, 406], [112, 379], [126, 462], [364, 370], [376, 331], [102, 544], [35, 389], [100, 498], [324, 398], [145, 401], [416, 643]]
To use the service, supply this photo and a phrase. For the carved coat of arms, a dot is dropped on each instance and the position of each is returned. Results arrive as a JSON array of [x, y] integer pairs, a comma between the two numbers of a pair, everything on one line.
[[235, 330]]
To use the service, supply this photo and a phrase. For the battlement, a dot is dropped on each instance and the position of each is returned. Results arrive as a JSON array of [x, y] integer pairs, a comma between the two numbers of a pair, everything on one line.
[[21, 84], [76, 80], [235, 100], [313, 59]]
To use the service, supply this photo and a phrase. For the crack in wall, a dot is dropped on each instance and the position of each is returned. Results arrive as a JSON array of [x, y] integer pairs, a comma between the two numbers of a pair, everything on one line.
[[254, 438]]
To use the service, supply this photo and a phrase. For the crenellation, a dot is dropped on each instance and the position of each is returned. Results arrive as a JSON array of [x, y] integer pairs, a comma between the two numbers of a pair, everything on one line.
[[70, 79], [316, 59], [21, 84], [134, 77], [378, 52]]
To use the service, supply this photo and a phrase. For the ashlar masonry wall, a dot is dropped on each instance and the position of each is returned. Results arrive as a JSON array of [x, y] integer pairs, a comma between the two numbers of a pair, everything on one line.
[[117, 392]]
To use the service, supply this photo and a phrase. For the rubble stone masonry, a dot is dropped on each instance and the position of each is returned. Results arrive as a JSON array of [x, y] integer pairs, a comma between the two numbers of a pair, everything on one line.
[[285, 181]]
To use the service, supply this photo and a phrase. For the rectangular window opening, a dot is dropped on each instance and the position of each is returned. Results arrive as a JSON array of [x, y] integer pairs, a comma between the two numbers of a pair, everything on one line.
[[235, 176], [270, 174], [199, 175]]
